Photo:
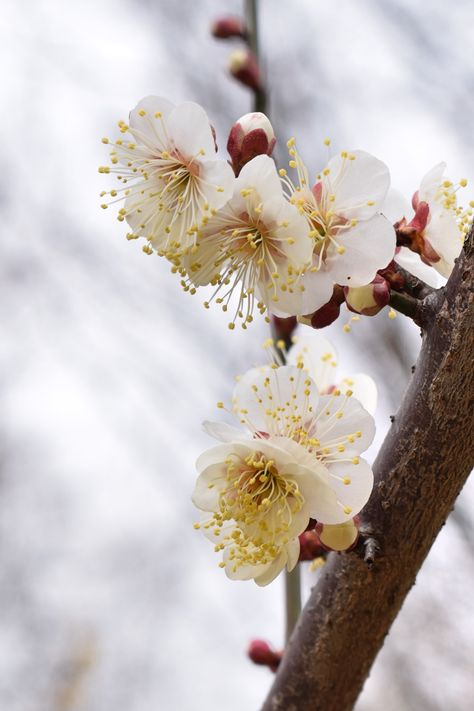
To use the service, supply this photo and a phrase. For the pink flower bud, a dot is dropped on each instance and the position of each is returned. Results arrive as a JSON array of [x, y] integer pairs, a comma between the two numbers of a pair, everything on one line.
[[340, 536], [244, 67], [261, 653], [229, 26], [370, 299], [252, 135], [328, 313]]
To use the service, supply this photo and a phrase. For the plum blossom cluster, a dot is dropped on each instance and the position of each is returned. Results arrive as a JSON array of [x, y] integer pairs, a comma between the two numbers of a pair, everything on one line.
[[294, 460], [273, 240], [247, 231]]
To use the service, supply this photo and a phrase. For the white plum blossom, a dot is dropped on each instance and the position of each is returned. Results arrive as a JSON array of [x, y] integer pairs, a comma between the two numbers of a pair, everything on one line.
[[169, 174], [443, 224], [434, 225], [351, 238], [297, 457], [257, 245]]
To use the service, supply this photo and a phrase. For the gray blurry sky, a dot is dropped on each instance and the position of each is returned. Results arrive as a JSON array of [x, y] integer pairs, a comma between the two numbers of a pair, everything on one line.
[[108, 597]]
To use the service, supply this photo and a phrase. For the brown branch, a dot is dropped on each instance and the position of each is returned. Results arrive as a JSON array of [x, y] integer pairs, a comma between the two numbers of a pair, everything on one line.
[[420, 470]]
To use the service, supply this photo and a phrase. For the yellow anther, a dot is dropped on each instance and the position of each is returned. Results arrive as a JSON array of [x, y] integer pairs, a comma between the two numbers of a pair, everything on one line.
[[355, 460], [346, 481], [291, 142], [282, 172], [392, 314], [327, 141]]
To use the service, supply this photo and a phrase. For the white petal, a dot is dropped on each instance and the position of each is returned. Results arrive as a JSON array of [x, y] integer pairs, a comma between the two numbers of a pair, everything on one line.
[[261, 175], [412, 263], [396, 206], [318, 287], [444, 236], [356, 183], [151, 128], [223, 432], [356, 494], [369, 246], [216, 182], [293, 553], [431, 182], [213, 455], [190, 131], [354, 419], [286, 388], [206, 491], [363, 389], [319, 359]]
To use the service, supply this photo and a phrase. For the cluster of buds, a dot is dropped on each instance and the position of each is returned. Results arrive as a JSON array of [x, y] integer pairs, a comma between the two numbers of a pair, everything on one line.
[[242, 64]]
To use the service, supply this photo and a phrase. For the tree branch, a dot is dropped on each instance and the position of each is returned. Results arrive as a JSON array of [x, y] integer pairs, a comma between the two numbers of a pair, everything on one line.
[[420, 470]]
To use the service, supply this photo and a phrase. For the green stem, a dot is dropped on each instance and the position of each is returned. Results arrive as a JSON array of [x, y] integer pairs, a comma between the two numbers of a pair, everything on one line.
[[293, 600]]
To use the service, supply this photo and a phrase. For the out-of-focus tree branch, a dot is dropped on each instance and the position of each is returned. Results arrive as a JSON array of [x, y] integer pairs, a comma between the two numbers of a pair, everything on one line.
[[420, 470]]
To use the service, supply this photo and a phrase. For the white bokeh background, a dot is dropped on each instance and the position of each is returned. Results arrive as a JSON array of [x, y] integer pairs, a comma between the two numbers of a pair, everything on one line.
[[108, 597]]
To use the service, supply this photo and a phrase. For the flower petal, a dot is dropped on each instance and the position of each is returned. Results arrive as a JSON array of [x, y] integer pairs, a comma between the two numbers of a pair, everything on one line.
[[354, 423], [363, 389], [190, 131], [318, 356], [150, 126], [412, 263], [369, 246], [355, 183], [354, 495], [216, 183], [223, 432], [261, 391]]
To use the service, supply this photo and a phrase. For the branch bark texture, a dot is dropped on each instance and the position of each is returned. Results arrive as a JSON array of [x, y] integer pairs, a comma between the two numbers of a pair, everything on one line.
[[420, 470]]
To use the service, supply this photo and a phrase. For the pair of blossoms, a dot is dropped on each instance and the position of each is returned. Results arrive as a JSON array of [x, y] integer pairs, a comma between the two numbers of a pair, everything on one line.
[[278, 244]]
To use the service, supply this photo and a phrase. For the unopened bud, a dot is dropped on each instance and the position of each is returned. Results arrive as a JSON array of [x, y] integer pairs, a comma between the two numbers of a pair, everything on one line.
[[244, 67], [328, 313], [310, 545], [340, 536], [261, 653], [229, 26], [252, 135], [370, 299]]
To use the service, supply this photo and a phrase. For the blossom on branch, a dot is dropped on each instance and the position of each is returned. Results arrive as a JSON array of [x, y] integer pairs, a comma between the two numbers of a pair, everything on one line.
[[351, 238], [169, 174], [437, 230], [297, 458], [256, 246]]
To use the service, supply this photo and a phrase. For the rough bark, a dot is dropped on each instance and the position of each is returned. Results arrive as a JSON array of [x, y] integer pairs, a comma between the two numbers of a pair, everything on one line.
[[420, 470]]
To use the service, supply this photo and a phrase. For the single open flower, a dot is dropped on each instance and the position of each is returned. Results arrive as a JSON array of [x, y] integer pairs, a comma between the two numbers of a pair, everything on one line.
[[257, 246], [438, 227], [351, 239], [297, 458], [169, 174]]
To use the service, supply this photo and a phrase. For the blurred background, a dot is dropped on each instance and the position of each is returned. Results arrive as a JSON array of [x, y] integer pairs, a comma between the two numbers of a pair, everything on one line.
[[108, 597]]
